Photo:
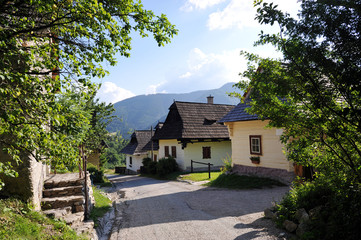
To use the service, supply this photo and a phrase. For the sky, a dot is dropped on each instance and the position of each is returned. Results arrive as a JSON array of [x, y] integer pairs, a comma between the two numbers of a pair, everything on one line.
[[204, 55]]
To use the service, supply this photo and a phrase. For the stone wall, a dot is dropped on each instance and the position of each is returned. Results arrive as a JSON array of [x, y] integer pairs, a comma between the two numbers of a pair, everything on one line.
[[274, 173], [28, 186]]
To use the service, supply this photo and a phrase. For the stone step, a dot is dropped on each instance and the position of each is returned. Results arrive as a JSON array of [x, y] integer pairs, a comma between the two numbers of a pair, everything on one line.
[[48, 184], [74, 219], [58, 212], [75, 202], [63, 191], [86, 227]]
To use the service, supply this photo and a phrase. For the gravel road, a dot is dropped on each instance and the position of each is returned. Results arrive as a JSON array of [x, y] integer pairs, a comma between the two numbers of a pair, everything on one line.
[[154, 209]]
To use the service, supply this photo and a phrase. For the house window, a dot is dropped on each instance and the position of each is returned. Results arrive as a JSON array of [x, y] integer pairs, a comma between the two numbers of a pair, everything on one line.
[[255, 144], [174, 151], [166, 151], [130, 161], [206, 152], [155, 157]]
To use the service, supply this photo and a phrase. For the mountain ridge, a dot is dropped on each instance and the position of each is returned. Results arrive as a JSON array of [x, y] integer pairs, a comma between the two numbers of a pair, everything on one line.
[[142, 111]]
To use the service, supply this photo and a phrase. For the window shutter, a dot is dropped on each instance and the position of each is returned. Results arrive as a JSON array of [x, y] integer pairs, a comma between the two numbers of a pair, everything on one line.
[[174, 151], [206, 152], [166, 151]]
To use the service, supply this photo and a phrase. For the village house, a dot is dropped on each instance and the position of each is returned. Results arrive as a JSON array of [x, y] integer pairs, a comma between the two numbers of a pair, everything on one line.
[[191, 132], [256, 149], [141, 146]]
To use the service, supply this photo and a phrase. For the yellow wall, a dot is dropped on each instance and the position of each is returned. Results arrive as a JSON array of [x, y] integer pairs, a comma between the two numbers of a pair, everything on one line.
[[94, 159], [272, 149], [219, 151]]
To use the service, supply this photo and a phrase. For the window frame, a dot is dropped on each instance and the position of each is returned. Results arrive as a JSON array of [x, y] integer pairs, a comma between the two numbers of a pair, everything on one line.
[[206, 154], [259, 137], [130, 161]]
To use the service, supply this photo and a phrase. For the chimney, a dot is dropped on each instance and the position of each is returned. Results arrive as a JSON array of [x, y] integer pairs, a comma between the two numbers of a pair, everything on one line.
[[210, 99]]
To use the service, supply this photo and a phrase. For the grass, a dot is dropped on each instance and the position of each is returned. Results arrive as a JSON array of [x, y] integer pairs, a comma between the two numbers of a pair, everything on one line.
[[19, 221], [109, 171], [235, 181], [202, 176], [102, 205]]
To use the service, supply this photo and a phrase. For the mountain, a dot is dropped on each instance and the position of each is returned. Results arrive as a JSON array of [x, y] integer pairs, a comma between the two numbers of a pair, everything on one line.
[[141, 112]]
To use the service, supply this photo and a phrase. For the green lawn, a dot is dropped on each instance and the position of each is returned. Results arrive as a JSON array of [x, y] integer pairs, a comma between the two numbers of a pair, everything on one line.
[[102, 205], [202, 176]]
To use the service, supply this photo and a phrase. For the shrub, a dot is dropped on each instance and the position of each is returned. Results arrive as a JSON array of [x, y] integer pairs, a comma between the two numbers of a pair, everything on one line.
[[149, 166], [97, 176], [166, 166], [227, 167], [339, 216]]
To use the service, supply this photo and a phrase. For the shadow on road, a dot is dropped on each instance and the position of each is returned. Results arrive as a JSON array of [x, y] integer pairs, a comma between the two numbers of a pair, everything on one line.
[[153, 202]]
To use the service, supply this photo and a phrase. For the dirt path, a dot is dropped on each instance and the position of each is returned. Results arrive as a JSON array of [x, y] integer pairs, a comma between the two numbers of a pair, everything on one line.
[[160, 210]]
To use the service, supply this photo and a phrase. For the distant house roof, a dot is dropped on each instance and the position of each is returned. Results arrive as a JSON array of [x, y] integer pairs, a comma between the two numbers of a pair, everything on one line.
[[140, 143], [239, 114], [189, 120]]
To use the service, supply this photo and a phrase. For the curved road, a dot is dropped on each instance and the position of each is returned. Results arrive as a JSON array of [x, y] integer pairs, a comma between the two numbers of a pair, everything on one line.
[[154, 209]]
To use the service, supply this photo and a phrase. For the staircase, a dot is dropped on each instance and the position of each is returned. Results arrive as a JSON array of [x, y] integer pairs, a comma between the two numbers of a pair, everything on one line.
[[63, 197]]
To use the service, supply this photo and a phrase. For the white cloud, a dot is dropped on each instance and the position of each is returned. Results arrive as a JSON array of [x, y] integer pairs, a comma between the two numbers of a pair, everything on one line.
[[186, 75], [110, 93], [206, 71], [241, 13], [190, 5], [236, 13], [153, 89]]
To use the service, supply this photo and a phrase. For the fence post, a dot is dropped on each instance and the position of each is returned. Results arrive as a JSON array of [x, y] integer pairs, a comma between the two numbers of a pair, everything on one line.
[[209, 170], [191, 165]]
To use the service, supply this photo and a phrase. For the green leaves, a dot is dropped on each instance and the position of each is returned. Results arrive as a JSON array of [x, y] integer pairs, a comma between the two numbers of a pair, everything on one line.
[[313, 91], [52, 49]]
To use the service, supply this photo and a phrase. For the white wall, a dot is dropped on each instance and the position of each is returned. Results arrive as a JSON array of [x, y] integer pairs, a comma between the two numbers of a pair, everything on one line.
[[180, 151], [219, 151], [272, 148], [136, 162]]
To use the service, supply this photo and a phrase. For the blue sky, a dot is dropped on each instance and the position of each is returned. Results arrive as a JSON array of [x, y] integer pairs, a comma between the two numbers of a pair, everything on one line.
[[204, 54]]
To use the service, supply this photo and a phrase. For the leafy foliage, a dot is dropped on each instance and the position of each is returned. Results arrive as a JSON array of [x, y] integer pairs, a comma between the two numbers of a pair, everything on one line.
[[313, 93], [166, 166], [335, 211], [97, 176], [112, 156], [227, 167], [51, 47], [162, 168], [149, 166]]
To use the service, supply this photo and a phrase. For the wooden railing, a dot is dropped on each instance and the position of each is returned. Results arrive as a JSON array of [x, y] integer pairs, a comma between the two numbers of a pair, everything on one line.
[[209, 167]]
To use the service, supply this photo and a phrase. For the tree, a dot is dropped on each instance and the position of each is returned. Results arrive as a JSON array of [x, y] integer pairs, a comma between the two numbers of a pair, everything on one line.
[[48, 47], [313, 92], [112, 156]]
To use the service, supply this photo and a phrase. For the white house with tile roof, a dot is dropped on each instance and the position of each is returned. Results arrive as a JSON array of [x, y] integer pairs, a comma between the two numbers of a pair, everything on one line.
[[191, 132], [141, 145]]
